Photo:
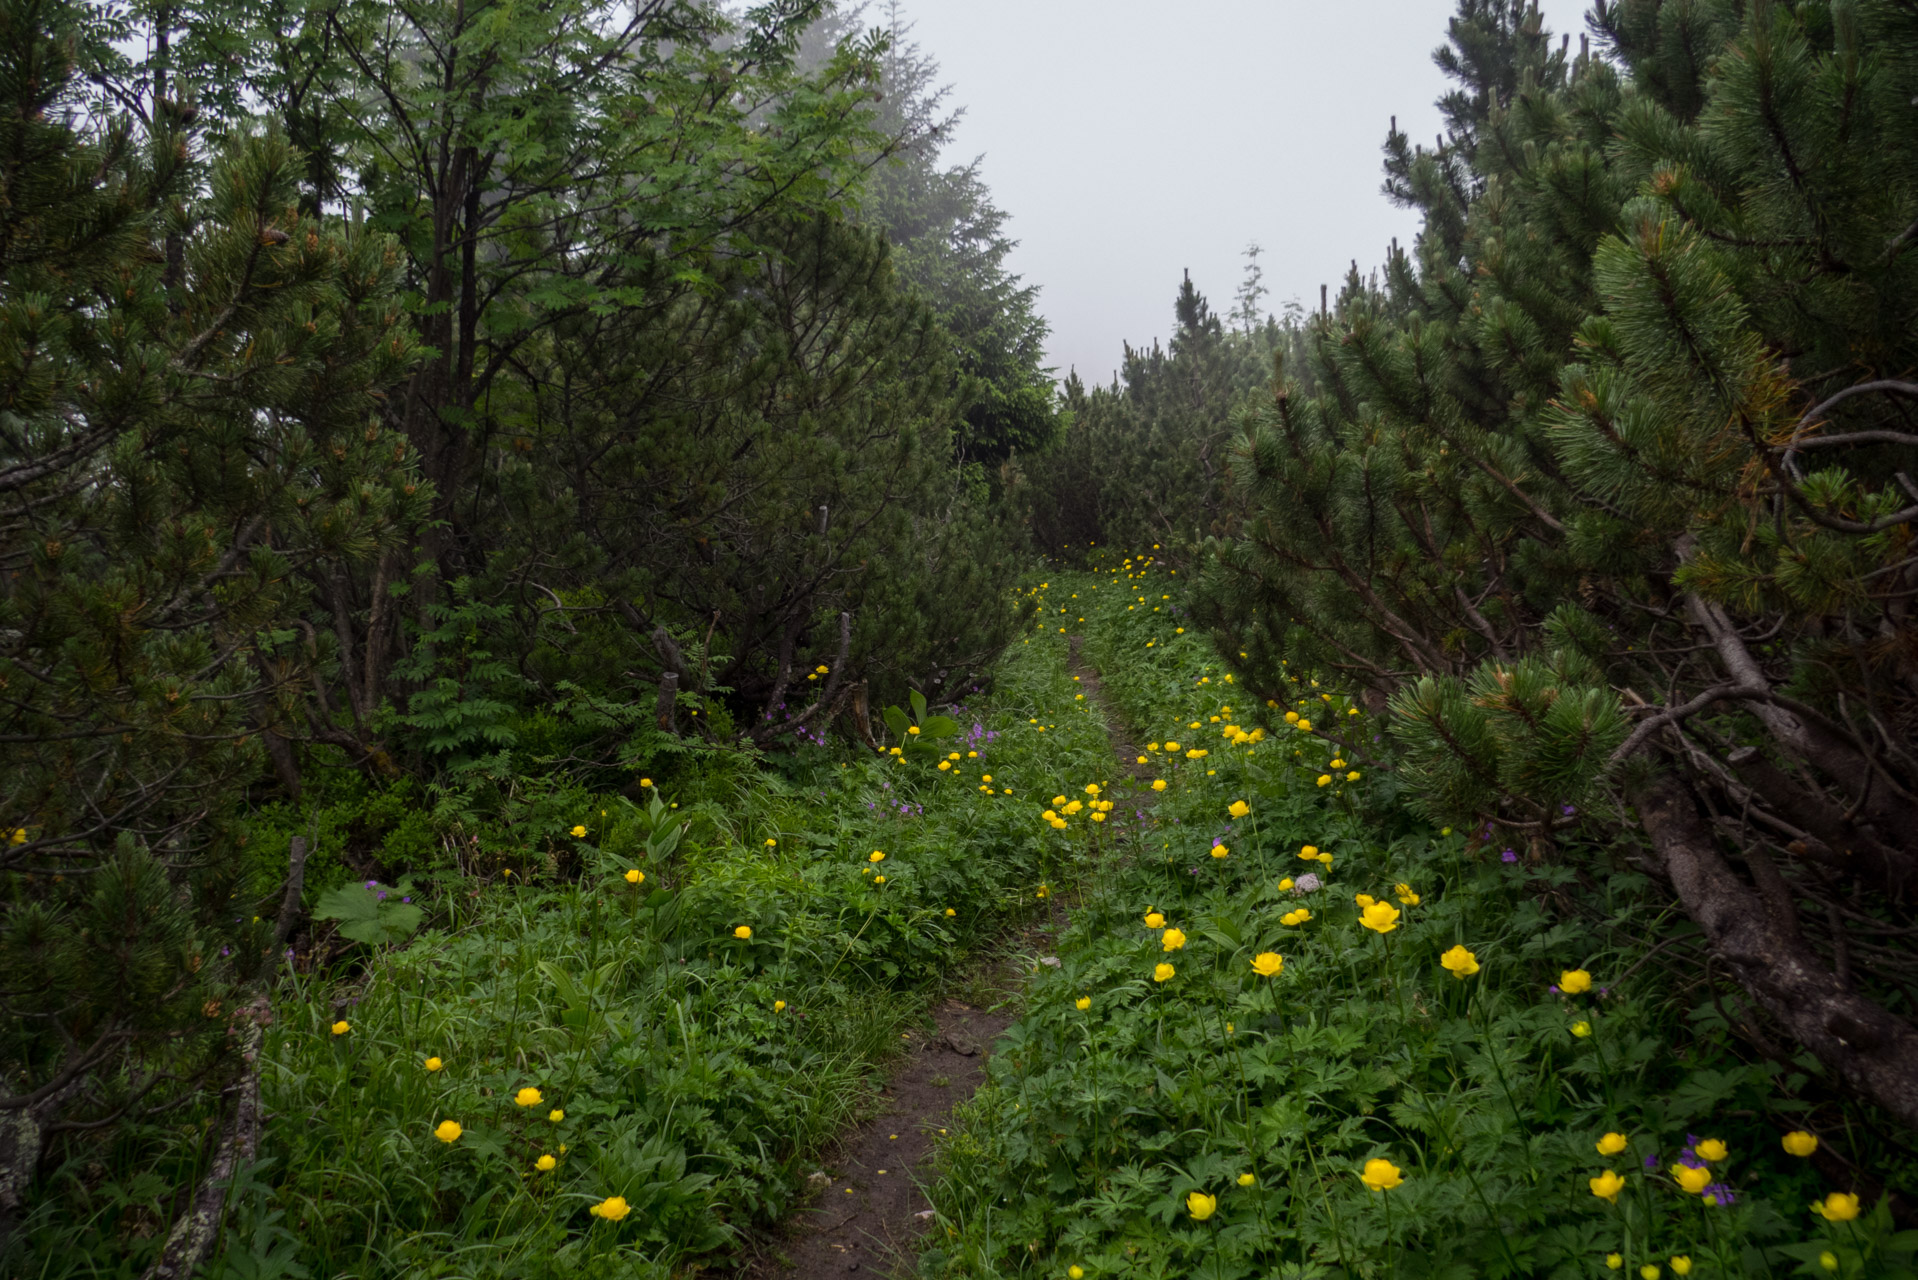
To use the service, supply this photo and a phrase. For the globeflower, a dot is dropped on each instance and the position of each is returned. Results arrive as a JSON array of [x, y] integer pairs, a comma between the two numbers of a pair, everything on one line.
[[1082, 1003], [1839, 1206], [545, 1164], [1172, 939], [634, 875], [1581, 1028], [1574, 982], [448, 1131], [1694, 1181], [1381, 1175], [1380, 917], [1404, 894], [1607, 1185], [1201, 1206], [1711, 1150], [1163, 973], [341, 1027], [1611, 1144], [1247, 1180], [1158, 784], [1267, 964], [875, 856], [1800, 1143], [1296, 916], [556, 1115], [1220, 851], [1309, 853], [1325, 779], [1154, 920], [1238, 808], [1681, 1265], [578, 831], [528, 1097], [1461, 963], [434, 1064], [611, 1209], [1171, 746], [743, 932]]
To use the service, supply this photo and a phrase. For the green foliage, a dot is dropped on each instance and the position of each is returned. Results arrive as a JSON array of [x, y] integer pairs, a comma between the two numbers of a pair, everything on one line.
[[1489, 1092], [366, 915]]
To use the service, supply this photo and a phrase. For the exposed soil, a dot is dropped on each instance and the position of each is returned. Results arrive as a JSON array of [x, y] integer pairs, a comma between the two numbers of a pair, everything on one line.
[[869, 1210], [867, 1217]]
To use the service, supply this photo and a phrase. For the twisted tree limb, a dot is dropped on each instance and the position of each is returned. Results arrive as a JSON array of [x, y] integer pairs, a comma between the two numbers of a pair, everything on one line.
[[1871, 1050]]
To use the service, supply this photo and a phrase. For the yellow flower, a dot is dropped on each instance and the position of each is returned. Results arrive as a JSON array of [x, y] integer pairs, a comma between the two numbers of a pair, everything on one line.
[[1238, 808], [951, 912], [434, 1064], [1325, 779], [1267, 964], [1305, 725], [1291, 717], [779, 1006], [634, 875], [578, 831], [1163, 973], [1201, 1206], [545, 1164], [645, 782], [1839, 1206], [1076, 1272], [1286, 883], [1405, 894], [1309, 853], [1171, 746], [1800, 1143], [1711, 1150], [1681, 1265], [556, 1115], [1158, 784], [1694, 1181], [1352, 776], [1246, 1180], [1098, 817], [1614, 1260], [1828, 1260], [1072, 809], [912, 731], [1380, 917], [1045, 891], [1381, 1175], [743, 932], [771, 843], [448, 1131], [341, 1027], [875, 880], [1220, 851], [1462, 963], [1337, 763], [1364, 899], [1611, 1144], [1649, 1271], [1197, 753], [612, 1209], [1574, 981], [1092, 789], [1172, 939], [1581, 1028], [1607, 1185], [1296, 916], [1154, 920], [944, 765], [1082, 1003], [875, 856], [528, 1097]]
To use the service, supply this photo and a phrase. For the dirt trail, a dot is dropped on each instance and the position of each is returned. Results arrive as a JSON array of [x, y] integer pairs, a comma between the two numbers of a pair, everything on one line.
[[869, 1212]]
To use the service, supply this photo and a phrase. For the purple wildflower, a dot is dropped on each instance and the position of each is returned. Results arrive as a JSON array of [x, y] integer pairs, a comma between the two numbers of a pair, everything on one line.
[[1508, 856]]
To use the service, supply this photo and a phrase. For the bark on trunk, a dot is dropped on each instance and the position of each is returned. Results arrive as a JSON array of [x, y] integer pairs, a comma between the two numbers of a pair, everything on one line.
[[1872, 1051]]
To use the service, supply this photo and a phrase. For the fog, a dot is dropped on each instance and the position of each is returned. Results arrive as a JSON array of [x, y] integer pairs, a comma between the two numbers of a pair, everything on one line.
[[1130, 141]]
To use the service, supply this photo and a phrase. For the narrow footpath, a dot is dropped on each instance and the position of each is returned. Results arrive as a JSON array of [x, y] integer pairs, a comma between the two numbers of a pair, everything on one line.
[[869, 1209]]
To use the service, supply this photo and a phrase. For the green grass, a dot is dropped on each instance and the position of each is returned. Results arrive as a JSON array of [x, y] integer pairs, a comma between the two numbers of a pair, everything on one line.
[[1268, 1096]]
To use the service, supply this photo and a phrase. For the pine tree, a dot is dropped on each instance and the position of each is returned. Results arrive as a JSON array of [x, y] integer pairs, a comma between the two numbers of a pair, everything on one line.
[[1607, 496], [192, 418]]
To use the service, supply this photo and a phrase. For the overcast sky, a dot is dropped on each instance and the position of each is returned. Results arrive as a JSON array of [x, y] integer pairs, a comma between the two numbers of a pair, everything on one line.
[[1131, 139]]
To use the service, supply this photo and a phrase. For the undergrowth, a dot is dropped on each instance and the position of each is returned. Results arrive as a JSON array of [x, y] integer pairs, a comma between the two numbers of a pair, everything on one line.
[[1297, 1033]]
